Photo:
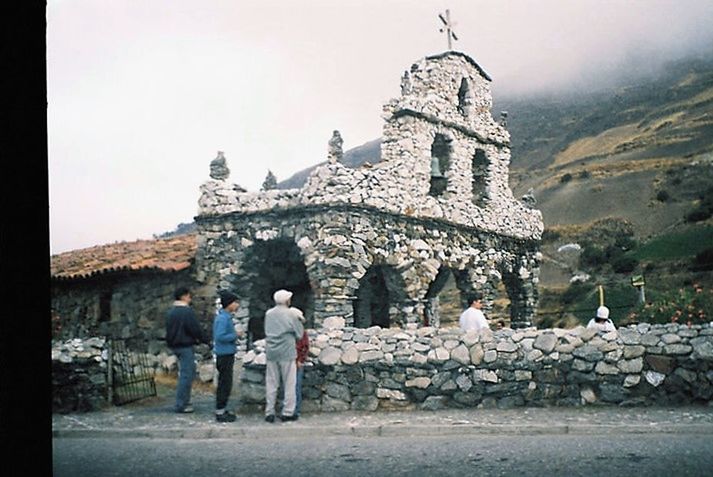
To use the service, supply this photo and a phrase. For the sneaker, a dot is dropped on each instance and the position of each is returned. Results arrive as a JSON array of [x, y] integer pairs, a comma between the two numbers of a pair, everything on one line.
[[227, 416], [186, 410], [270, 418], [289, 418]]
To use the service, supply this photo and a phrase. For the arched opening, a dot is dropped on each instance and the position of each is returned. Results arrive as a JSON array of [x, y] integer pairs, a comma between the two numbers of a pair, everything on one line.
[[479, 179], [465, 99], [379, 289], [276, 264], [499, 307], [443, 300], [440, 164]]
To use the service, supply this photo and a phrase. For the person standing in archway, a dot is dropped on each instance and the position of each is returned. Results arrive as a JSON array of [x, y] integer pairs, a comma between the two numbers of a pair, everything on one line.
[[473, 318], [282, 330]]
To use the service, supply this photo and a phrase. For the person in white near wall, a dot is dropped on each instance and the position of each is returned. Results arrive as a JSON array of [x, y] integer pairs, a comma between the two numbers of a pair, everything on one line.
[[282, 330], [473, 318], [602, 322]]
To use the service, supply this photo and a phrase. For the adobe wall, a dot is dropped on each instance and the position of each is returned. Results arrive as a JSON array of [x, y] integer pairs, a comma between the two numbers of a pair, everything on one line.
[[428, 368]]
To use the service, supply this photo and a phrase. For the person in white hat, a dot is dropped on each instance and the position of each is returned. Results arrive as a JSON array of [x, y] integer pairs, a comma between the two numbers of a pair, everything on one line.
[[282, 330], [602, 322]]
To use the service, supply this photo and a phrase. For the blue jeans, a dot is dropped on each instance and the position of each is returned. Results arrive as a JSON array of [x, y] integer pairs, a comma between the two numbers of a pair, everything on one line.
[[186, 373], [298, 389]]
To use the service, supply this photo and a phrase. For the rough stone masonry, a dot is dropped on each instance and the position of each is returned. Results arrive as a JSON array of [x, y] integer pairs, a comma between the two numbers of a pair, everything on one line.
[[375, 245], [433, 368]]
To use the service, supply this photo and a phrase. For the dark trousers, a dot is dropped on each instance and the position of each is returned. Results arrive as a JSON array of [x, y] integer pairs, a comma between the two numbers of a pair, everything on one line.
[[224, 364]]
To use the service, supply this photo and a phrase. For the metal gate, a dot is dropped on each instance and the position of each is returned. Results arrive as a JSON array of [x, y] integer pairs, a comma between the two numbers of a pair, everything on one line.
[[130, 376]]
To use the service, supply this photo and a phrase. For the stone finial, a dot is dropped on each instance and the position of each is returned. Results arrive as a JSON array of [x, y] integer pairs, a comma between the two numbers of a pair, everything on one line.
[[218, 168], [335, 153], [270, 181], [529, 198]]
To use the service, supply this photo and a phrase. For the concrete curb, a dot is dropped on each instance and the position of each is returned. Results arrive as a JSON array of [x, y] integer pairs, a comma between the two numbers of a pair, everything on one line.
[[290, 431]]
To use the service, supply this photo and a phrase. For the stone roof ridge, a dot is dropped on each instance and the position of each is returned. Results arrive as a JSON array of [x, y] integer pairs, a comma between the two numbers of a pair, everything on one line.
[[465, 57]]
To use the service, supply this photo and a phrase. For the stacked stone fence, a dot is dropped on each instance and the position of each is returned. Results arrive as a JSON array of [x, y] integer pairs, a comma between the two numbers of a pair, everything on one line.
[[428, 368], [79, 375], [371, 369], [81, 381]]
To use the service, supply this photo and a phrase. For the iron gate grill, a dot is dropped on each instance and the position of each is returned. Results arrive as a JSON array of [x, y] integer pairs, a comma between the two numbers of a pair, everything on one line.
[[130, 375]]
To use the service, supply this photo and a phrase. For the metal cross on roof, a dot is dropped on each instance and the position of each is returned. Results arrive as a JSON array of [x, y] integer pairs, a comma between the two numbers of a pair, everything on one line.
[[448, 28]]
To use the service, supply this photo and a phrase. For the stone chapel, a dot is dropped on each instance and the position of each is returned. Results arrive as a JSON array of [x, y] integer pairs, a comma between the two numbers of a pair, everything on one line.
[[376, 244]]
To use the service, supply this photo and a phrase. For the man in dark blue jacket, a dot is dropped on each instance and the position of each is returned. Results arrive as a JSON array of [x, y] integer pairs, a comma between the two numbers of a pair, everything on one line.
[[224, 347], [183, 332]]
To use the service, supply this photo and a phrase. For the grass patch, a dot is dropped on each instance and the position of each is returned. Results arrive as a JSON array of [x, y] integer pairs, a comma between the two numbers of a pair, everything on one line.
[[676, 245]]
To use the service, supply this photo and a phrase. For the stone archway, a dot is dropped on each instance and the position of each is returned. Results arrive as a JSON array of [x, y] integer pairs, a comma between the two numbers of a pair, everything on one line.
[[271, 265], [443, 300], [381, 289]]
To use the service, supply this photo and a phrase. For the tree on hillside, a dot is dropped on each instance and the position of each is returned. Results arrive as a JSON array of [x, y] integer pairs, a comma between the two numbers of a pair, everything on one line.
[[270, 181]]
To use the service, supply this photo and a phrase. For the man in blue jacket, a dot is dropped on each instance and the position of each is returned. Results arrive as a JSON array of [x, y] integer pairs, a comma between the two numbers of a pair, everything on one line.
[[224, 347], [183, 332]]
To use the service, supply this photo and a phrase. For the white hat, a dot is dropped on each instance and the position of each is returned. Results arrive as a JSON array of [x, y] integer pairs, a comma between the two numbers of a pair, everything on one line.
[[281, 297], [603, 312]]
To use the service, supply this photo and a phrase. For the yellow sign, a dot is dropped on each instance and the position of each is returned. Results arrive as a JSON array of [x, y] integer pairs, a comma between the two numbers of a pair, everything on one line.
[[638, 281]]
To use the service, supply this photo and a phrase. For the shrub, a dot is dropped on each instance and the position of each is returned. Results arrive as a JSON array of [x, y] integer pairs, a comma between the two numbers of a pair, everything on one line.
[[593, 256], [698, 214], [691, 304], [704, 209], [549, 235], [624, 264], [575, 292], [566, 178], [663, 196], [585, 175], [703, 261], [625, 242]]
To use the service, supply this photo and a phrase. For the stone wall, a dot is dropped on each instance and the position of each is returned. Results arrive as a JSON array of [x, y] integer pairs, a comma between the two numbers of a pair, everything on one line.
[[428, 368], [136, 305], [79, 375], [323, 254]]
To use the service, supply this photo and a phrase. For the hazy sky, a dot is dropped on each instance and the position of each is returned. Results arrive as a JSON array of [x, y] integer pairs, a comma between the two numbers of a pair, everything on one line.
[[142, 93]]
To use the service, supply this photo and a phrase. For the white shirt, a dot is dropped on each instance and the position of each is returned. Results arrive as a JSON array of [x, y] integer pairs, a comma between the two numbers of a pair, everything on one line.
[[473, 319], [606, 326]]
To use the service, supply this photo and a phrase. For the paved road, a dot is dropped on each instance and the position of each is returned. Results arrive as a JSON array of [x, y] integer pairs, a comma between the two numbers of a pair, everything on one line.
[[552, 455]]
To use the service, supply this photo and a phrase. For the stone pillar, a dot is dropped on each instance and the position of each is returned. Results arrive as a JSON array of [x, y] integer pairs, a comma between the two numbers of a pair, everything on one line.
[[521, 286]]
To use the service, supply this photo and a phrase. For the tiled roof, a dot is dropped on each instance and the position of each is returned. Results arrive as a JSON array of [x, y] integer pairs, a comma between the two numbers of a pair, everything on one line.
[[167, 254]]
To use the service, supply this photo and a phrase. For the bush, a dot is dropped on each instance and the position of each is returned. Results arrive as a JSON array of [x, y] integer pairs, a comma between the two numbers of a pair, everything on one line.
[[585, 175], [575, 292], [704, 209], [703, 261], [698, 214], [593, 256], [690, 304], [566, 178], [549, 235], [663, 196], [624, 264], [625, 242]]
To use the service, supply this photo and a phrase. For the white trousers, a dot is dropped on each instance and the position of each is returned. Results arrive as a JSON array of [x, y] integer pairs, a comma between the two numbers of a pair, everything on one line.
[[274, 372]]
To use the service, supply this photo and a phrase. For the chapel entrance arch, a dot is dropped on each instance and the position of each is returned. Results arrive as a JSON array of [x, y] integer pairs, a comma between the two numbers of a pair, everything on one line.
[[381, 289], [443, 300], [272, 265]]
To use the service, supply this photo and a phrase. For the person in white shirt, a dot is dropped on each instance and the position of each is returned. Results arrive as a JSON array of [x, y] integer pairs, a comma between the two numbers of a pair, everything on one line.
[[602, 322], [473, 318]]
